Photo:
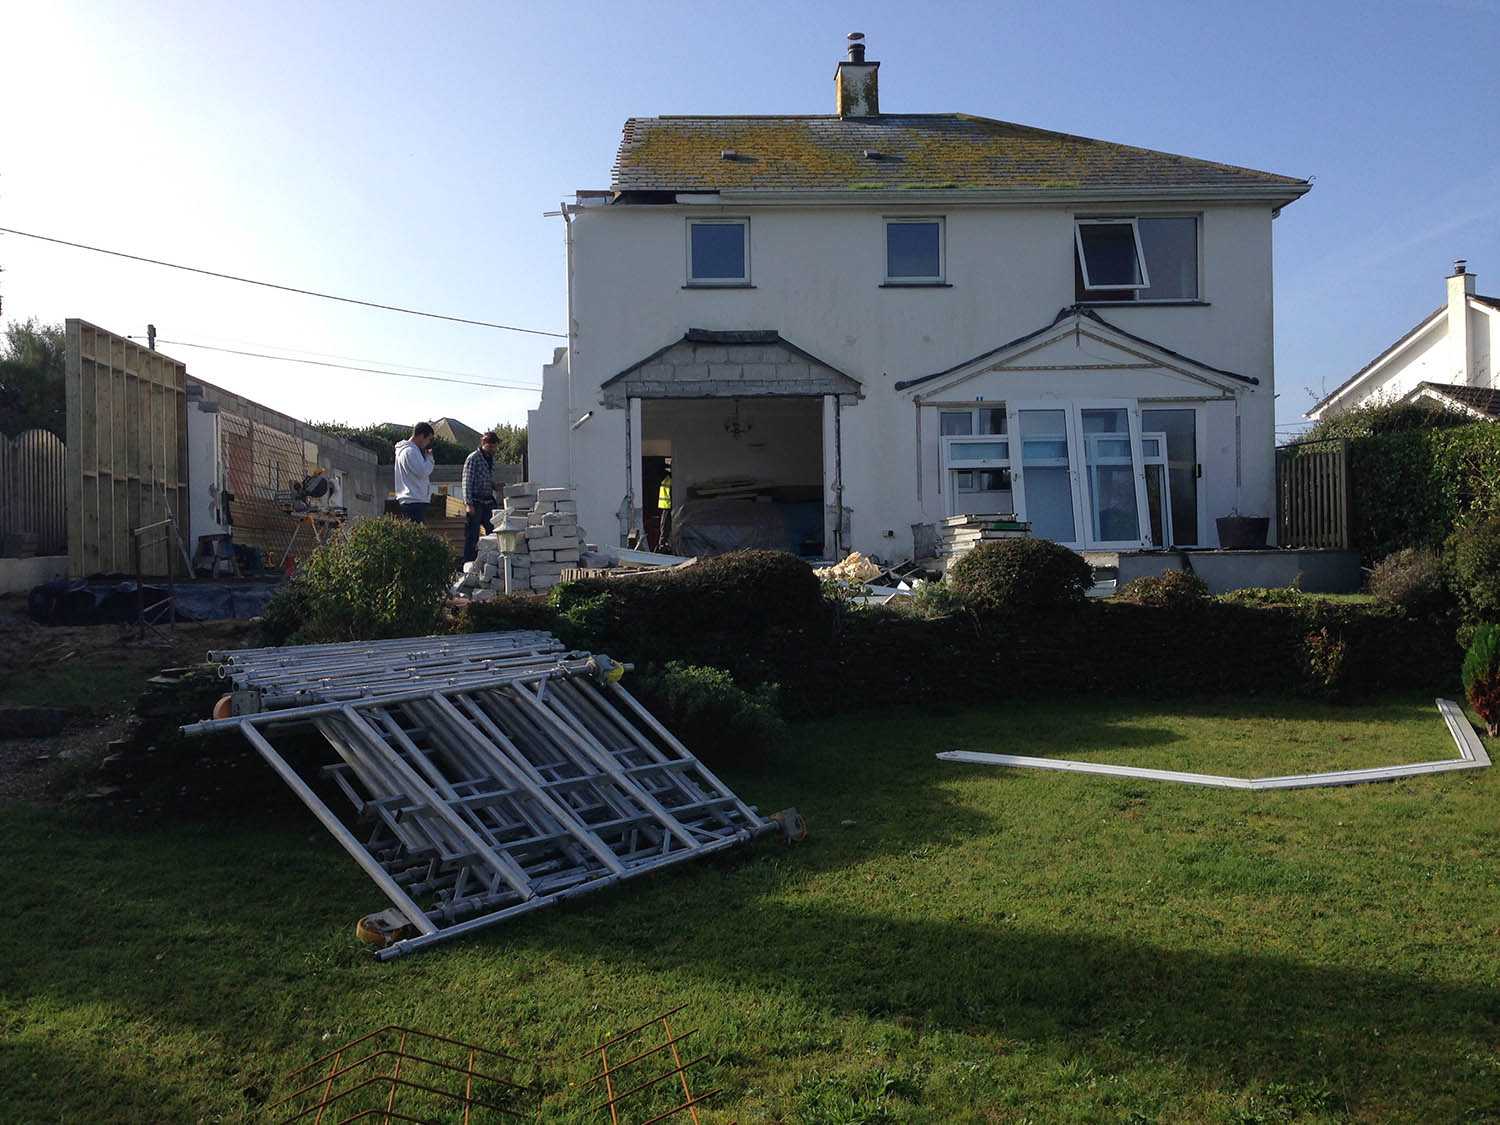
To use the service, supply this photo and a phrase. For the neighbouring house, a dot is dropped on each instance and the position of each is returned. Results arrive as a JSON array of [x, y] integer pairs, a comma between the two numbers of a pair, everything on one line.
[[844, 328], [451, 429], [1446, 358]]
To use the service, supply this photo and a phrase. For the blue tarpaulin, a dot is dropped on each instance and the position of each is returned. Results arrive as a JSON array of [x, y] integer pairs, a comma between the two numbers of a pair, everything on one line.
[[103, 601]]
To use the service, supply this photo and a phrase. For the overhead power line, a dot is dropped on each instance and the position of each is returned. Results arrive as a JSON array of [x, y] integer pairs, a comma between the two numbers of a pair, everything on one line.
[[284, 288], [350, 367]]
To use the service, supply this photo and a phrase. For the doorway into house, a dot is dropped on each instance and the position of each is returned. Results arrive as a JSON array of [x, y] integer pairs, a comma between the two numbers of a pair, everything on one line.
[[746, 473]]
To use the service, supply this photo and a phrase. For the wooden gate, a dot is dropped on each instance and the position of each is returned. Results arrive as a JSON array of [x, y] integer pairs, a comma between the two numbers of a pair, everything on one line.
[[32, 499], [1312, 494]]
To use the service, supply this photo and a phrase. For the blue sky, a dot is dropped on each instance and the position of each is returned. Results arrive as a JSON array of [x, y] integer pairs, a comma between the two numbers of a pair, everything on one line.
[[405, 154]]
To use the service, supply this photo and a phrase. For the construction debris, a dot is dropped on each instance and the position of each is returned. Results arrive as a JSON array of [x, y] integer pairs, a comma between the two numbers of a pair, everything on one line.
[[958, 535], [397, 1073], [491, 774], [547, 538], [853, 568]]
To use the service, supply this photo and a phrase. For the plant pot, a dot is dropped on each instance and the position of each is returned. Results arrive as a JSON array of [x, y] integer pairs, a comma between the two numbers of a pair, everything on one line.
[[1242, 533]]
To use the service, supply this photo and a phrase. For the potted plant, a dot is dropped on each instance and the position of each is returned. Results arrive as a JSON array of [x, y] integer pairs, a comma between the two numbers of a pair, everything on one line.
[[1242, 533]]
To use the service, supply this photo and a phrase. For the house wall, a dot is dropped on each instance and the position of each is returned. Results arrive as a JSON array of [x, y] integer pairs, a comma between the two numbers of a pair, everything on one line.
[[237, 444], [816, 275]]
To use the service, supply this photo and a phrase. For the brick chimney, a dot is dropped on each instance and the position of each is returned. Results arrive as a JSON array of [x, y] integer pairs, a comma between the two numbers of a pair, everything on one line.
[[857, 83], [1460, 334]]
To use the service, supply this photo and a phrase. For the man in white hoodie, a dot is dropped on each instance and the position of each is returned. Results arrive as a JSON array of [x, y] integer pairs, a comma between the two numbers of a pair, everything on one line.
[[414, 473]]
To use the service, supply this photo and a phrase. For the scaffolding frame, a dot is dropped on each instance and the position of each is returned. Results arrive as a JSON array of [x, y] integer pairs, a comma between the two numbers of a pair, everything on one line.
[[490, 775]]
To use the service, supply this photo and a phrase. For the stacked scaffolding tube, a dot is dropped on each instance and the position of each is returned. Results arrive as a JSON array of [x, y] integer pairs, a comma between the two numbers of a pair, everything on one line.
[[490, 774]]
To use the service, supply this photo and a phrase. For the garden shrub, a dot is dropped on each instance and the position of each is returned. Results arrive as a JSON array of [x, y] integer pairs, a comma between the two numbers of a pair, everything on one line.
[[1324, 655], [1020, 575], [1472, 555], [1269, 595], [1481, 675], [580, 623], [934, 599], [283, 617], [1173, 589], [715, 718], [385, 577], [1412, 489], [1411, 579]]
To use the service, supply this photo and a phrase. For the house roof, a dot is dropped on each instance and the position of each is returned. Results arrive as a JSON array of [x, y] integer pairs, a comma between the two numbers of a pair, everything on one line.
[[451, 429], [950, 151], [1421, 326], [1086, 313], [1487, 303], [1478, 400]]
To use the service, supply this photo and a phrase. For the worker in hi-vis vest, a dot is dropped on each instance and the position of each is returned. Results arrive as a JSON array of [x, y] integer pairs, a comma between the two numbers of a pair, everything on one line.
[[664, 505]]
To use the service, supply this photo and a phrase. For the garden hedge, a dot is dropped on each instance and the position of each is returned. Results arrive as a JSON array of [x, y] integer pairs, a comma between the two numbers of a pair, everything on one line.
[[1412, 488], [764, 622]]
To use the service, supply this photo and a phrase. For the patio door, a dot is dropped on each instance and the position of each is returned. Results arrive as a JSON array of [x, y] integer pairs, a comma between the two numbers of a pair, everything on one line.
[[1078, 473]]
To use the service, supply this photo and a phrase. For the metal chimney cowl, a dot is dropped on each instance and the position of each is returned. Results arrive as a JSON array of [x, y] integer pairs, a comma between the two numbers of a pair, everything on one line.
[[857, 82]]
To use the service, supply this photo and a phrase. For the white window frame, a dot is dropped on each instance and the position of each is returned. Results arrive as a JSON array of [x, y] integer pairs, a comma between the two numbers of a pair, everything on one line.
[[938, 278], [952, 460], [1077, 463], [717, 282], [1142, 291], [1140, 252]]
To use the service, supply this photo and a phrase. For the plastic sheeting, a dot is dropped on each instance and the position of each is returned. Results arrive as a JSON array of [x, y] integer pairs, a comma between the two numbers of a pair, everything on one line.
[[103, 602]]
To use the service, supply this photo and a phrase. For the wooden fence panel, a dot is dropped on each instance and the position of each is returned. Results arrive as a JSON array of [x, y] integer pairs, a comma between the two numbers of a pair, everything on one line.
[[1312, 495], [126, 450], [32, 497]]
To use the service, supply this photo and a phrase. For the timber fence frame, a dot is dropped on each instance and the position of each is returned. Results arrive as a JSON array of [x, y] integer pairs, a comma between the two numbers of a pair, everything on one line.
[[126, 450], [33, 498], [1313, 507]]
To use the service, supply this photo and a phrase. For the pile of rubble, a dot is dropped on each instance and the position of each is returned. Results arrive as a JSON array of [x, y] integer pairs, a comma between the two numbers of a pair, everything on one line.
[[551, 543]]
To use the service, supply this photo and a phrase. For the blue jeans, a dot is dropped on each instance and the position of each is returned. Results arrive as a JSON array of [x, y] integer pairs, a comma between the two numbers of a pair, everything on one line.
[[483, 517], [416, 511]]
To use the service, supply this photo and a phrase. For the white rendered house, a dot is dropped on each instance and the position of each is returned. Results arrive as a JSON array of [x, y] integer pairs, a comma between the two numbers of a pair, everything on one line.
[[842, 328], [1447, 358]]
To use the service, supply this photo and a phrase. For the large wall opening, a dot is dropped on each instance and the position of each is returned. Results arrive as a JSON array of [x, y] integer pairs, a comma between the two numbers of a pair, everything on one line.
[[746, 473]]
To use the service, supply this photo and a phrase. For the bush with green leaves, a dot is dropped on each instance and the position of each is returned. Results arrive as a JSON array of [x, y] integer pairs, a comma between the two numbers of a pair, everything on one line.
[[715, 718], [1412, 579], [1172, 589], [385, 577], [283, 618], [1481, 675], [1414, 488], [1020, 576], [1472, 555]]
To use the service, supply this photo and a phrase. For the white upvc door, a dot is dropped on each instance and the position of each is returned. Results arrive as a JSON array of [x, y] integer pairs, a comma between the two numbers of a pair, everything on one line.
[[1077, 472]]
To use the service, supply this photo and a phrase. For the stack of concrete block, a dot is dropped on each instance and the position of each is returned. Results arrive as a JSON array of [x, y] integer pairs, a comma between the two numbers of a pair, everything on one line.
[[552, 542]]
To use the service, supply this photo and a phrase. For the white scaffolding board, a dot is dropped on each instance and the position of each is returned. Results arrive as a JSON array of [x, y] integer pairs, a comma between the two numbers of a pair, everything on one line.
[[490, 775]]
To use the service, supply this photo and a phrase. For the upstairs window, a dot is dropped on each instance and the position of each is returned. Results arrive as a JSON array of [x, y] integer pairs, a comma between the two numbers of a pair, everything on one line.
[[914, 251], [1136, 259], [718, 252]]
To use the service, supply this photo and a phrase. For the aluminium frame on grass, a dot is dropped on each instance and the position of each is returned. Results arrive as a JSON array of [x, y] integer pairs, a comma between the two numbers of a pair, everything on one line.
[[1471, 756], [491, 775]]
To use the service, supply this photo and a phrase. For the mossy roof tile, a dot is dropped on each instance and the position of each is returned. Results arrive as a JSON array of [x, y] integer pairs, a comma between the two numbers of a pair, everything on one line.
[[914, 151]]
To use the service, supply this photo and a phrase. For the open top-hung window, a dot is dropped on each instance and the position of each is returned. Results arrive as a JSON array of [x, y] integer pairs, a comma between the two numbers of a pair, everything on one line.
[[1146, 258], [914, 251], [718, 252]]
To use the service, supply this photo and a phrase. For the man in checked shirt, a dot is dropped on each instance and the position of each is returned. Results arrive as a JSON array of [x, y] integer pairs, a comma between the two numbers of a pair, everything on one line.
[[479, 494]]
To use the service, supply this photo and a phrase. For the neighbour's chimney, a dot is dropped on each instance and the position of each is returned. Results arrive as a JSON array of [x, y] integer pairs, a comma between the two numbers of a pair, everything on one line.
[[1460, 331], [857, 83]]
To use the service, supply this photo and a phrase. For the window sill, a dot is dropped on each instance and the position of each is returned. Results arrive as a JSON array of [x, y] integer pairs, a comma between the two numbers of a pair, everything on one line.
[[1142, 304], [713, 285], [916, 285]]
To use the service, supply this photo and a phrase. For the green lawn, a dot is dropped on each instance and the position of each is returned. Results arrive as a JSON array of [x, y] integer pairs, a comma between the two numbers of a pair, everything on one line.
[[952, 943]]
